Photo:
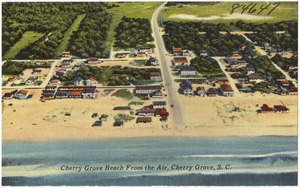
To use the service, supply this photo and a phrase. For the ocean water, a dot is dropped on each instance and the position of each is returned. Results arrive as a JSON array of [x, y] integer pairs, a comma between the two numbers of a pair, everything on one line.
[[152, 161]]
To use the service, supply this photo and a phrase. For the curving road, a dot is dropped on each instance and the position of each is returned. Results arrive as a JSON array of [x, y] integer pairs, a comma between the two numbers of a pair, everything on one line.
[[170, 87]]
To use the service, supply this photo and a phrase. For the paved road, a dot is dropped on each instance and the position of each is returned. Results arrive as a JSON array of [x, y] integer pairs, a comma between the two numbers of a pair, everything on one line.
[[170, 86], [49, 75]]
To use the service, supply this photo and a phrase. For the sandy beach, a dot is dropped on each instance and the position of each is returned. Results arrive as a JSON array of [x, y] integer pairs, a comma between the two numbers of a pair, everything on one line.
[[203, 116]]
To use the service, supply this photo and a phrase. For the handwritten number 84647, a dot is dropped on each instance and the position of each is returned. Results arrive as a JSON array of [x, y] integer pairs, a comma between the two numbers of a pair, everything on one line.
[[253, 8]]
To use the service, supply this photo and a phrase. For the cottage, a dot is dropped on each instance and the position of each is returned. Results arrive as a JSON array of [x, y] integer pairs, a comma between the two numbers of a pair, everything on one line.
[[146, 89], [97, 124], [89, 93], [60, 73], [203, 53], [48, 94], [188, 71], [36, 71], [7, 96], [92, 60], [250, 69], [143, 120], [157, 94], [22, 94], [280, 109], [121, 55], [75, 94], [254, 77], [55, 82], [266, 109], [211, 92], [145, 112], [186, 53], [66, 63], [141, 54], [293, 91], [78, 81], [151, 62], [50, 87], [161, 112], [118, 124], [61, 94], [180, 61], [30, 80], [155, 76], [147, 50], [177, 51], [66, 54], [159, 104], [91, 81], [103, 117], [200, 91], [186, 88], [226, 90]]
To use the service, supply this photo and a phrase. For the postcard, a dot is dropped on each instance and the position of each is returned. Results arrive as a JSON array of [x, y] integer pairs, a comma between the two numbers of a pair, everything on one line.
[[150, 93]]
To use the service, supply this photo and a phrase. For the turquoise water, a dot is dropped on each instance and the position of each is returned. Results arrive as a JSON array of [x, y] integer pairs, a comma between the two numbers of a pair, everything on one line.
[[153, 161]]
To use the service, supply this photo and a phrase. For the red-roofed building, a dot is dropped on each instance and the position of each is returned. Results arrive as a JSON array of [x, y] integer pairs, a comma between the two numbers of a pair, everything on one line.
[[91, 81], [226, 90], [75, 94], [92, 60], [22, 94], [66, 54], [293, 91]]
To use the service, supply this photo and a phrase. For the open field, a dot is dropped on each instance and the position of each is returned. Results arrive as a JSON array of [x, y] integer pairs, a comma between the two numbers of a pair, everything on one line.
[[220, 13], [67, 36], [130, 10], [28, 38]]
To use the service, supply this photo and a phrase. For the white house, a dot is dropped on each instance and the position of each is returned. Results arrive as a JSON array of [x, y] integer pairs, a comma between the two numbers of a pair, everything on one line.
[[187, 71]]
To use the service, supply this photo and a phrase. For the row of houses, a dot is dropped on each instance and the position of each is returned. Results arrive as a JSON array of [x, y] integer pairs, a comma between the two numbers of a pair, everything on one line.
[[186, 88], [63, 92], [158, 108], [21, 94]]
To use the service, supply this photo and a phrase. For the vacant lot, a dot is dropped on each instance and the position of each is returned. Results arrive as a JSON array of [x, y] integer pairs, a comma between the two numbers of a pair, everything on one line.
[[27, 38], [216, 13], [67, 36]]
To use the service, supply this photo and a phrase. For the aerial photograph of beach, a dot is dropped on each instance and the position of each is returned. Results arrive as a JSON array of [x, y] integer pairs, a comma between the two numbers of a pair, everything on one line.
[[150, 93]]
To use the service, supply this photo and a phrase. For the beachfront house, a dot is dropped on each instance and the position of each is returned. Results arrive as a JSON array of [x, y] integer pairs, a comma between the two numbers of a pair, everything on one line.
[[62, 94], [75, 94], [143, 120], [22, 94], [89, 93], [103, 117], [7, 96], [161, 112], [48, 94], [226, 90], [293, 91], [266, 109], [187, 71], [150, 112], [211, 92], [200, 91]]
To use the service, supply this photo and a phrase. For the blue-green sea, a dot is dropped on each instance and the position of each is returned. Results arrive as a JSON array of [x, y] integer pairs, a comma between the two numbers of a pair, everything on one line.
[[175, 161]]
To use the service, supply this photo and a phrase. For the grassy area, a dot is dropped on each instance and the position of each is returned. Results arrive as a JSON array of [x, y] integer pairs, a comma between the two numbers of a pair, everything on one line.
[[285, 11], [28, 38], [130, 10], [67, 36], [123, 93]]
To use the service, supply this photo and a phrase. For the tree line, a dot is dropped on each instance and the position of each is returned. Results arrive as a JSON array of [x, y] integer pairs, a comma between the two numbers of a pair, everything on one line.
[[133, 32], [50, 18]]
